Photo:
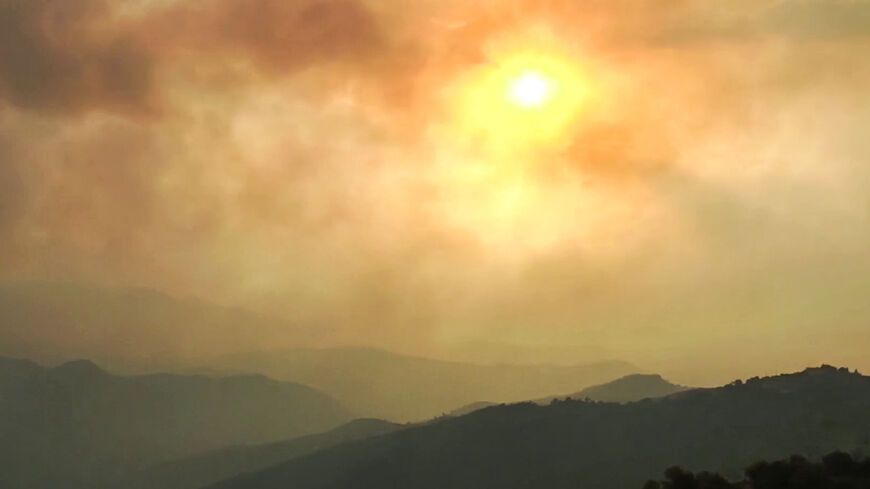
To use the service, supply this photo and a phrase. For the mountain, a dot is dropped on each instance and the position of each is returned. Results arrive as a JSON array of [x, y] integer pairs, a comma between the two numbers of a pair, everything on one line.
[[134, 330], [571, 444], [401, 388], [202, 469], [131, 330], [626, 389], [77, 426], [470, 408]]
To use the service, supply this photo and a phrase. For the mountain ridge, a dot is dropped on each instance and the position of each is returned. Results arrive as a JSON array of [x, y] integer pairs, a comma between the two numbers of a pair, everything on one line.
[[403, 388], [571, 444], [77, 425], [630, 388]]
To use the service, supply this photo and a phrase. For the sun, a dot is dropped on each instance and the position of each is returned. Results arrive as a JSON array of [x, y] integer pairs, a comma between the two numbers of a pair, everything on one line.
[[522, 98], [530, 90]]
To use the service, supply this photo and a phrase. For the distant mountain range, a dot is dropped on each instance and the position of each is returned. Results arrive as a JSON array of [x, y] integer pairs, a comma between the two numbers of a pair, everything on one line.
[[400, 388], [202, 469], [630, 388], [626, 389], [76, 426], [571, 444], [141, 330], [129, 330]]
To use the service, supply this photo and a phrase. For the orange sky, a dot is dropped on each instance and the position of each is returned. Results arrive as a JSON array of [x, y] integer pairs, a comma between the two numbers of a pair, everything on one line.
[[697, 201]]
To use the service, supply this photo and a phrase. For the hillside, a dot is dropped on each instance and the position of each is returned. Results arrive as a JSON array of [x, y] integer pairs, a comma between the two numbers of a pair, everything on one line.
[[625, 389], [571, 444], [470, 408], [202, 469], [78, 426], [401, 388]]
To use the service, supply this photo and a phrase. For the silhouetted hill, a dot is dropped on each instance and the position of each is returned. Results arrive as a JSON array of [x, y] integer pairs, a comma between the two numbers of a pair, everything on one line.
[[470, 408], [626, 389], [571, 444], [78, 426], [401, 388], [126, 329], [207, 468]]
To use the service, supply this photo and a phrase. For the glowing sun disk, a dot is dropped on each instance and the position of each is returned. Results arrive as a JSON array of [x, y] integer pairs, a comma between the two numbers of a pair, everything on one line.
[[523, 99], [530, 90]]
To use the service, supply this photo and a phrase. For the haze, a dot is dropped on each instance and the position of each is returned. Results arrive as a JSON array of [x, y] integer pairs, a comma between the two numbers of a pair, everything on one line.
[[700, 208]]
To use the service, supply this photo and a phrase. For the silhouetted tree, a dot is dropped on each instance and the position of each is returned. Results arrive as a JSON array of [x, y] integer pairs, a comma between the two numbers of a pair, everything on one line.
[[679, 478], [709, 480], [765, 475], [838, 463], [837, 470]]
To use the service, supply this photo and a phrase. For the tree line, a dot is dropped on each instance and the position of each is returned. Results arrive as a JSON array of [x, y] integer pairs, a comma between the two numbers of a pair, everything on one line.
[[837, 470]]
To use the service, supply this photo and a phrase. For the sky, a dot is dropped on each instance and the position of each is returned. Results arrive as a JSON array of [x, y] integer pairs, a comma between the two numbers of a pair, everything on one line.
[[687, 187]]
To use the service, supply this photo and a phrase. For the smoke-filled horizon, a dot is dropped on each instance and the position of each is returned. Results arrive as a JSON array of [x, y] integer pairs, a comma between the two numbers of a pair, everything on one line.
[[678, 184]]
